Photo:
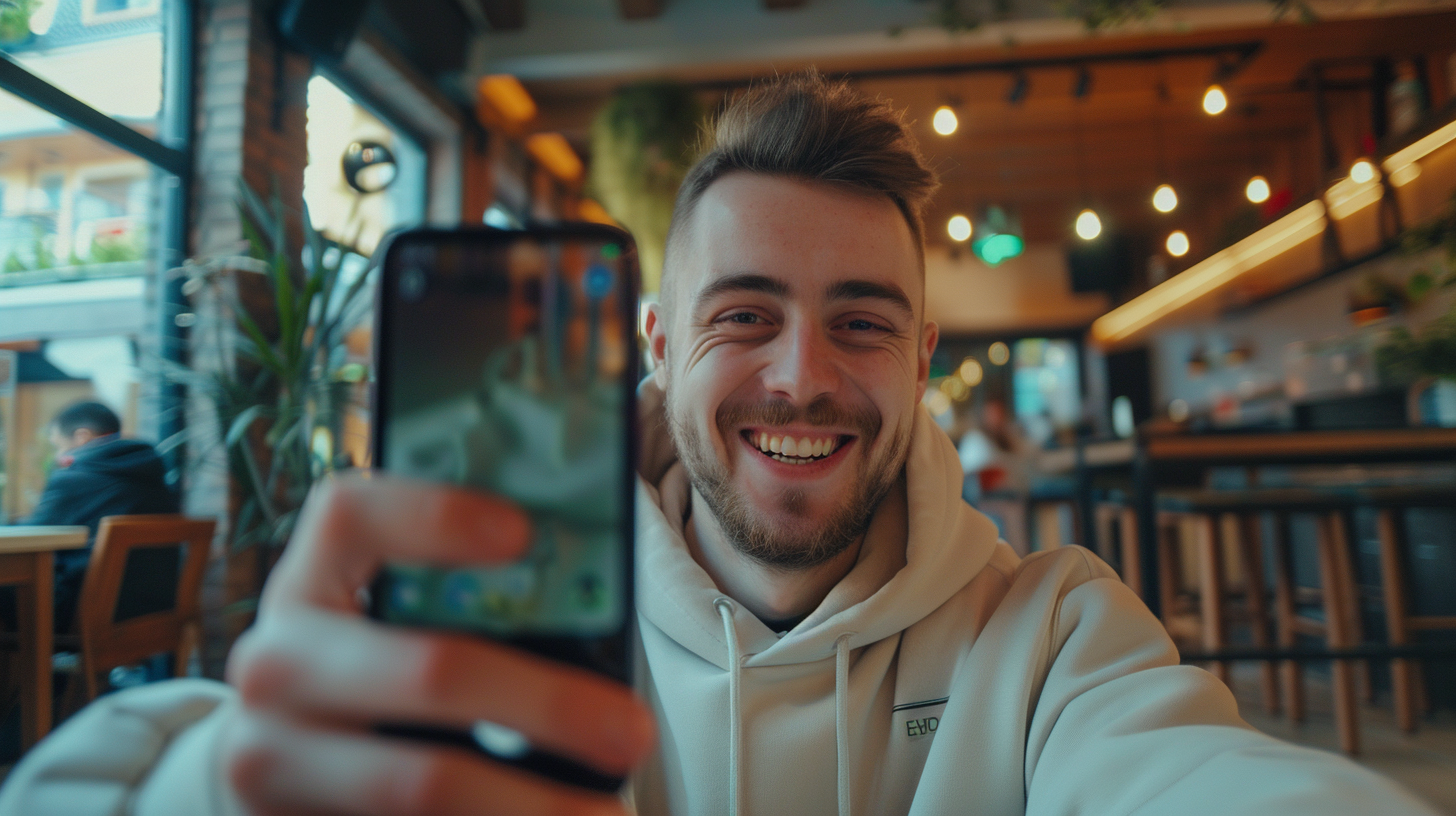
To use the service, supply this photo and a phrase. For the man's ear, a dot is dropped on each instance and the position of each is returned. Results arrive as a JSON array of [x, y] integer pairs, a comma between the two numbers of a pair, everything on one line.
[[656, 329], [929, 336], [81, 436]]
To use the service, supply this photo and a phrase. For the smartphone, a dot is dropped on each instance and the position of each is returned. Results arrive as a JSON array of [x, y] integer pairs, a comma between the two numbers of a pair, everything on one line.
[[506, 362]]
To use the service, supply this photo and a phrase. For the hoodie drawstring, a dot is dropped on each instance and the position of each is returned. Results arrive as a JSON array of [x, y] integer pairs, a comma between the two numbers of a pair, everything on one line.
[[841, 718], [735, 725]]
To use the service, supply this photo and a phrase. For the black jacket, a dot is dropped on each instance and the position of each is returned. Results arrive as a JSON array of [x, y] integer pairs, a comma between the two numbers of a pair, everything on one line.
[[108, 477]]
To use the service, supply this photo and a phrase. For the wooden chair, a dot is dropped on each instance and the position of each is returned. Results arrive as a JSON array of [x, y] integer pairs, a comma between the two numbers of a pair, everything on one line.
[[115, 630]]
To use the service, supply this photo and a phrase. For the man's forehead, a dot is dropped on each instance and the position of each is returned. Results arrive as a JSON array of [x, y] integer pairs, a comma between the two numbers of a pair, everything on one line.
[[809, 237]]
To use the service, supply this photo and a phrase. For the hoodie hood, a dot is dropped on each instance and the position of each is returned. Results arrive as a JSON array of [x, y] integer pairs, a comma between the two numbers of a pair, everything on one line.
[[119, 458], [924, 544]]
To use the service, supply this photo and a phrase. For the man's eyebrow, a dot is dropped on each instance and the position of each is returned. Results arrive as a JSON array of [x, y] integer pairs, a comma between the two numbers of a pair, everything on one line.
[[859, 289], [743, 282]]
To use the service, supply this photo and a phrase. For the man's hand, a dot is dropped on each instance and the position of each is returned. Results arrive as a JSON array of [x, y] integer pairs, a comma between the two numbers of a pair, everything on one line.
[[315, 674]]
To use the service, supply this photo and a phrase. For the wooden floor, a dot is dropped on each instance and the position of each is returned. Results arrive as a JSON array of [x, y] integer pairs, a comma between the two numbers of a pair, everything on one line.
[[1424, 761]]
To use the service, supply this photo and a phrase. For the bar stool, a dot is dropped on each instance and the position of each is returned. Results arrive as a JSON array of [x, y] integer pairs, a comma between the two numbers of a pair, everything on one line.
[[1406, 680], [1222, 523], [1339, 600]]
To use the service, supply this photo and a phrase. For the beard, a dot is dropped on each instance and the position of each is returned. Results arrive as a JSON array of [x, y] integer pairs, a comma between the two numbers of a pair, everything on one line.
[[747, 527]]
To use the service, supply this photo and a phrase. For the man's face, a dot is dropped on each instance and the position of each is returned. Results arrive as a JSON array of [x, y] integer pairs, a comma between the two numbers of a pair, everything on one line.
[[796, 315], [64, 443]]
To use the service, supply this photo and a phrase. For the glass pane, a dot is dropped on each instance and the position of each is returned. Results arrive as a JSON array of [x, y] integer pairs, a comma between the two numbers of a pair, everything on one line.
[[390, 181], [106, 53], [77, 221]]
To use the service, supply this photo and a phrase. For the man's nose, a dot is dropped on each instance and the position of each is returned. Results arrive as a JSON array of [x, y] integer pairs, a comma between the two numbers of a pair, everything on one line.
[[803, 366]]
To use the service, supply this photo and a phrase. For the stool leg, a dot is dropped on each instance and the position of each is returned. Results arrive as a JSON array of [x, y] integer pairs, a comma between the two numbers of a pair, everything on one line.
[[1392, 579], [1251, 547], [1350, 589], [1169, 567], [1211, 589], [1131, 553], [1291, 671], [1336, 597]]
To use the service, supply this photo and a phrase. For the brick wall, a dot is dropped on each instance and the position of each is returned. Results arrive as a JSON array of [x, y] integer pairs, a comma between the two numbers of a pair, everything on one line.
[[251, 120]]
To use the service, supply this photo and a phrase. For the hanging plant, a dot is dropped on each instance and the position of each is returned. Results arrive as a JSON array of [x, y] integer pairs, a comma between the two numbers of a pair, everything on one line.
[[643, 142]]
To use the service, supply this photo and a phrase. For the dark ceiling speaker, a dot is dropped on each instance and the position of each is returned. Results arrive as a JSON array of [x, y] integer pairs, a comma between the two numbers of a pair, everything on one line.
[[1103, 264], [322, 29]]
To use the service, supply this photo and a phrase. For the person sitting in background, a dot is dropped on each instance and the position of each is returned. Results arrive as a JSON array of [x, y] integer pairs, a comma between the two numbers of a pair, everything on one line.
[[97, 474]]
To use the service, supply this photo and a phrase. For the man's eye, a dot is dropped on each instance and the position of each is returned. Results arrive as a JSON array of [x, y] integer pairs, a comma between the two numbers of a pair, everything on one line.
[[863, 325], [744, 318]]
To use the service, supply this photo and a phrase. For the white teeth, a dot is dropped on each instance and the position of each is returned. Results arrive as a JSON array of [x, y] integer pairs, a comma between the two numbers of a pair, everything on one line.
[[795, 451]]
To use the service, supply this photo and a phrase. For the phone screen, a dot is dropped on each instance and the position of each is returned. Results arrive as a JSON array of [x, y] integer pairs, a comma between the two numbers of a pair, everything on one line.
[[506, 364]]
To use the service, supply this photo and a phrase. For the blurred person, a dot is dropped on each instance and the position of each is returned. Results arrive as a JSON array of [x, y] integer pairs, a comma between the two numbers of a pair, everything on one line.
[[824, 625], [96, 474]]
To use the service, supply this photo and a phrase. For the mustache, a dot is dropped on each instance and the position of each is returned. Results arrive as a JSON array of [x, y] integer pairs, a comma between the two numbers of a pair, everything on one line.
[[822, 411]]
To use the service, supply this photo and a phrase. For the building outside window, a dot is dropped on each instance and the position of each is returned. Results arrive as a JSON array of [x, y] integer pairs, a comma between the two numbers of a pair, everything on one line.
[[82, 221]]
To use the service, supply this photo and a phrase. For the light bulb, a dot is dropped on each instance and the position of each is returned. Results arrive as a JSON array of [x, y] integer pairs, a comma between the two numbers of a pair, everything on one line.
[[999, 353], [1177, 243], [1164, 198], [1215, 101], [1089, 226], [959, 227], [1258, 190], [1362, 172], [945, 121]]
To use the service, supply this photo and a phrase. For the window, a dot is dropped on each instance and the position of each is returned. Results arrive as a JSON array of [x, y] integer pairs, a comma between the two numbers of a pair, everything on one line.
[[85, 194], [1045, 385], [336, 120]]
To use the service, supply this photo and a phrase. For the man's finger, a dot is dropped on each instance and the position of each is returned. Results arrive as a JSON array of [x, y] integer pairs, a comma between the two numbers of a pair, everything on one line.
[[351, 525], [343, 667], [277, 766]]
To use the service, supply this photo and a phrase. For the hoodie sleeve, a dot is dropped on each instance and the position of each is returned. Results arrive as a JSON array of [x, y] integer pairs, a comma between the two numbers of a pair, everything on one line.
[[147, 751], [1120, 727]]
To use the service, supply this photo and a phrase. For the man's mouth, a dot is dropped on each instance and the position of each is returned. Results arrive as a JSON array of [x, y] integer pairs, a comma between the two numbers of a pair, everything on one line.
[[795, 450]]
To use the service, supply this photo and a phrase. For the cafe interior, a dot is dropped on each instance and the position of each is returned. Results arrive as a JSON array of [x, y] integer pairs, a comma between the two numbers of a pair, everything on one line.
[[1193, 264]]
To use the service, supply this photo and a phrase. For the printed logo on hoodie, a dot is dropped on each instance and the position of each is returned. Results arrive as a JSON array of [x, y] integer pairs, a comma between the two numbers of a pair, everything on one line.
[[921, 718]]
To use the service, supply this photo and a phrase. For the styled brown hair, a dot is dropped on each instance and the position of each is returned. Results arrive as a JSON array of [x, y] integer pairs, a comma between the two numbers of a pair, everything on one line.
[[805, 127]]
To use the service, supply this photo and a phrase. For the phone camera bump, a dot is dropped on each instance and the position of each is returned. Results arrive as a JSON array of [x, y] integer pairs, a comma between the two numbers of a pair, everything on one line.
[[412, 284]]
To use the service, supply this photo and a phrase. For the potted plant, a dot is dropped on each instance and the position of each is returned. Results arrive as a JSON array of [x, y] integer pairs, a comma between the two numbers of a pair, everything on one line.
[[281, 380]]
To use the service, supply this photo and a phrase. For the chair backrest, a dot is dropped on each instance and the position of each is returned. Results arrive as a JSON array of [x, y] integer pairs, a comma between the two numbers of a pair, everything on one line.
[[144, 630]]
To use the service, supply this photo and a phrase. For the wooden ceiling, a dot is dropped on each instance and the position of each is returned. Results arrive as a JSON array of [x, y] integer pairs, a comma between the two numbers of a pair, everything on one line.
[[1139, 123]]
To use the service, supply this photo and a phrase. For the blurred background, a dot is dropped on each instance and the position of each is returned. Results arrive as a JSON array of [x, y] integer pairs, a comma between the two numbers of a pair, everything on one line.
[[1185, 252]]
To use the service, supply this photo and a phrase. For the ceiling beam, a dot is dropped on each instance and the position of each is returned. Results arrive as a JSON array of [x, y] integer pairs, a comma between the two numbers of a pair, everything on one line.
[[505, 15], [779, 5], [640, 9]]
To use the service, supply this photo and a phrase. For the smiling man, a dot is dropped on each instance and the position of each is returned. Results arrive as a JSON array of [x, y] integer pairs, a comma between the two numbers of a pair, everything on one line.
[[824, 626]]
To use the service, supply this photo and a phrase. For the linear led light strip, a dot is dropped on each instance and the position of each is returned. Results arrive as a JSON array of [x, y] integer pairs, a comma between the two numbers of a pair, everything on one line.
[[1206, 276], [1347, 197], [1420, 148]]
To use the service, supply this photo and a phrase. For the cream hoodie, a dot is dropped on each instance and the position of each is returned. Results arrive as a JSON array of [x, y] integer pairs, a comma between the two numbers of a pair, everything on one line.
[[942, 675]]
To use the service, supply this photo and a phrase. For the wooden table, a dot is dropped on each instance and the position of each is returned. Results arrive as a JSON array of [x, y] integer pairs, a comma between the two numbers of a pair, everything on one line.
[[27, 557]]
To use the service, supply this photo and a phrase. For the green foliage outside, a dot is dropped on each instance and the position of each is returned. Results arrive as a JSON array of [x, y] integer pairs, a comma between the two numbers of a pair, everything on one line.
[[15, 19], [643, 142]]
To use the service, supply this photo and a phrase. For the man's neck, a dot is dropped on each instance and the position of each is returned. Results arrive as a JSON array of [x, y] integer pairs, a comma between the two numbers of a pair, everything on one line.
[[770, 593]]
